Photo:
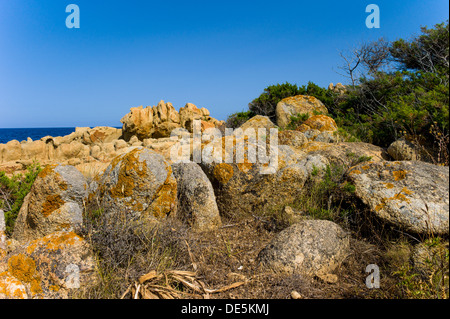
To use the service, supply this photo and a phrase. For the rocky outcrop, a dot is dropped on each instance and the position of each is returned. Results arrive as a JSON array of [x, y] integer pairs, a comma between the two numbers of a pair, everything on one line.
[[292, 138], [339, 88], [295, 105], [311, 247], [251, 185], [54, 203], [139, 182], [257, 122], [320, 123], [412, 196], [50, 267], [196, 200], [159, 121], [346, 154]]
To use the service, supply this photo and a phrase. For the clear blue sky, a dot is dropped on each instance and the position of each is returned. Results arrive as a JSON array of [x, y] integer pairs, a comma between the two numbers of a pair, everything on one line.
[[215, 54]]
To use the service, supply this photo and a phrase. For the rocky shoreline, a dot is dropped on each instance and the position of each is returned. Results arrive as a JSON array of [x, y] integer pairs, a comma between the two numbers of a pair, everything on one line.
[[131, 171]]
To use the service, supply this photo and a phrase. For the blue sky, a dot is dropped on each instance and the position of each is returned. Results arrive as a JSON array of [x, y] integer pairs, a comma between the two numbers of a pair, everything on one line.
[[215, 54]]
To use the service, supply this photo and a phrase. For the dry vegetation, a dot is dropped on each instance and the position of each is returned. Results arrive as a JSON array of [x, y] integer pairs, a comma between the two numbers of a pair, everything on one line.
[[170, 261]]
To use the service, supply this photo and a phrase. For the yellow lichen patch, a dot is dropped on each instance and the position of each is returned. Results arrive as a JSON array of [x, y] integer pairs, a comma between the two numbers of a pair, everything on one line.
[[244, 167], [47, 170], [303, 128], [321, 123], [355, 171], [399, 196], [54, 288], [130, 168], [52, 203], [399, 175], [11, 287], [24, 269], [365, 167], [164, 201], [406, 191], [54, 241], [223, 172], [389, 185]]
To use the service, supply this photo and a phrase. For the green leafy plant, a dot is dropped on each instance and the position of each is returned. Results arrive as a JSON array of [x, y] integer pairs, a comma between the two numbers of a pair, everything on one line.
[[13, 191]]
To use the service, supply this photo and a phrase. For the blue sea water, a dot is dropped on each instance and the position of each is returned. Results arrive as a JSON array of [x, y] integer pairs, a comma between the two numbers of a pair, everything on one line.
[[20, 134]]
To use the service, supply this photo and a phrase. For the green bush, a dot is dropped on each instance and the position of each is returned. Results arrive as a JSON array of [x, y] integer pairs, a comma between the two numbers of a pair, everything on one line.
[[13, 191], [266, 103], [235, 120]]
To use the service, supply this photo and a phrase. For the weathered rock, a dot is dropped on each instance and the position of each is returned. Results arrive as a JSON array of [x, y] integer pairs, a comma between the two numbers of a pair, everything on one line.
[[404, 150], [138, 122], [140, 182], [11, 287], [346, 154], [257, 122], [188, 114], [325, 137], [294, 105], [245, 186], [48, 267], [196, 200], [319, 122], [101, 134], [311, 247], [54, 203], [409, 195], [12, 151], [159, 121], [339, 88], [292, 138]]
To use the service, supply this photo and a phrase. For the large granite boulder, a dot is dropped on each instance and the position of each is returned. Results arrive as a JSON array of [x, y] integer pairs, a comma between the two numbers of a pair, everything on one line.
[[140, 182], [196, 200], [410, 195], [299, 104], [311, 247], [54, 203]]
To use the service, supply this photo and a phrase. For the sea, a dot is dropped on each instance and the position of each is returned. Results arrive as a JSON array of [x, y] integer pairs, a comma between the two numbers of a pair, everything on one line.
[[21, 134]]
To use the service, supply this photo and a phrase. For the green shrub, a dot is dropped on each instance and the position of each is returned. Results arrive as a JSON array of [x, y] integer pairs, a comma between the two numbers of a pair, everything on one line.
[[13, 191], [235, 120], [266, 103]]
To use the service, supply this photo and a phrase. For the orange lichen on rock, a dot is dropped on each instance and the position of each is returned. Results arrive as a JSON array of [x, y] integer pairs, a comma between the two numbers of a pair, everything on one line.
[[321, 123], [54, 241], [223, 172], [399, 175], [11, 287], [24, 269], [355, 171], [48, 169], [164, 201], [130, 167], [399, 196], [52, 203]]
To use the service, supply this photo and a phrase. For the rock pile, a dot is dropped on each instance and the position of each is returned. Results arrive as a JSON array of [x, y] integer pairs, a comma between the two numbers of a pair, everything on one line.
[[45, 257]]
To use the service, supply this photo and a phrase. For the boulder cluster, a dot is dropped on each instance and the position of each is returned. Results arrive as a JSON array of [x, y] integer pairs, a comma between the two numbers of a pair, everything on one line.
[[45, 257]]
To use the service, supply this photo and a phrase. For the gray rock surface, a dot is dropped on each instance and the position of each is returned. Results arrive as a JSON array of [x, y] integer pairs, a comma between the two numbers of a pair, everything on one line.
[[411, 195], [311, 247], [196, 200], [54, 203]]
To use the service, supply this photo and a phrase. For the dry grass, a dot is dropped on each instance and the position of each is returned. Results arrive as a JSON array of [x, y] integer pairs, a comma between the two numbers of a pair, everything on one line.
[[168, 260]]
